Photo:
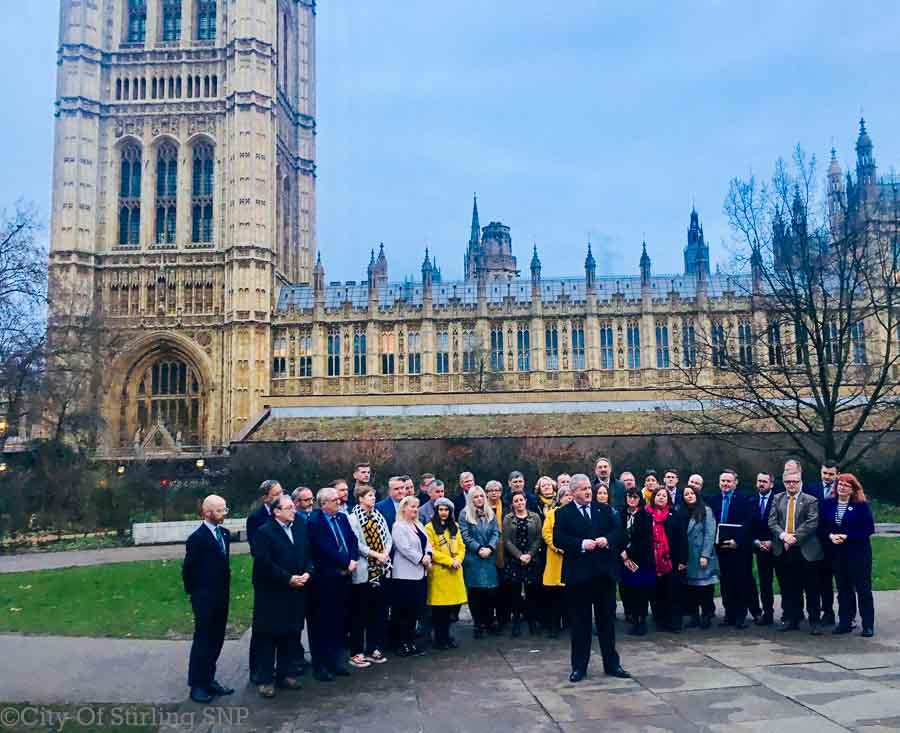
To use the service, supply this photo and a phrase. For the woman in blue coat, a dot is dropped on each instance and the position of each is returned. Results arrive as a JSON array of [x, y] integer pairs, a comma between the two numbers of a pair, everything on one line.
[[480, 534], [846, 524]]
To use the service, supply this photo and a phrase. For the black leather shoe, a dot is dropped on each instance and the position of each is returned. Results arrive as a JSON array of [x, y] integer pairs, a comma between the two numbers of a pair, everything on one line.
[[215, 688], [576, 676], [815, 630], [765, 620], [868, 632], [199, 695], [323, 675], [618, 672]]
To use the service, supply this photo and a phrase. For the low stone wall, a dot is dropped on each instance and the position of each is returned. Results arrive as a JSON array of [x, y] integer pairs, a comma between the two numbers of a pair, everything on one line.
[[163, 533]]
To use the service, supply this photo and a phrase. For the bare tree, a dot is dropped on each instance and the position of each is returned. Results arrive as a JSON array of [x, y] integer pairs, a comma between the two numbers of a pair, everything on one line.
[[810, 354], [483, 377]]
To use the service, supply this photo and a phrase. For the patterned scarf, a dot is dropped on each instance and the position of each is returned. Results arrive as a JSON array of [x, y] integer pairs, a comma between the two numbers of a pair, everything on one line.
[[375, 532], [661, 553]]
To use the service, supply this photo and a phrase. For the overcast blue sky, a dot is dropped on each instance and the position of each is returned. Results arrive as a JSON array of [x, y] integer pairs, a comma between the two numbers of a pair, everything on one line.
[[574, 120]]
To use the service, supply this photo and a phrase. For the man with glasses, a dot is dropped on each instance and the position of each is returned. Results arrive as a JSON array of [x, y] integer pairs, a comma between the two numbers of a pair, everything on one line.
[[303, 502], [335, 553], [794, 521], [206, 574]]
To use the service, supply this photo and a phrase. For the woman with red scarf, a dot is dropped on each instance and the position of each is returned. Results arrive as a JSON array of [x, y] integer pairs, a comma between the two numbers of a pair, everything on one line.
[[668, 551]]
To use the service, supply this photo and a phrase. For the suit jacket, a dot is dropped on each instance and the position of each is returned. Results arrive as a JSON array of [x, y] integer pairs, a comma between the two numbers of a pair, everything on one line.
[[206, 572], [408, 552], [388, 511], [639, 542], [616, 491], [277, 607], [570, 528], [817, 489], [257, 519], [740, 512], [330, 559], [806, 524], [759, 524], [858, 524]]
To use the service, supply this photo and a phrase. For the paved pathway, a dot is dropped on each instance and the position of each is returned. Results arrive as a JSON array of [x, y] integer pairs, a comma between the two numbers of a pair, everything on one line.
[[717, 681]]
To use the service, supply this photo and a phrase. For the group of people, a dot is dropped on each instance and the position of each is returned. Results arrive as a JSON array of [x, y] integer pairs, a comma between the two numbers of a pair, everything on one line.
[[372, 578]]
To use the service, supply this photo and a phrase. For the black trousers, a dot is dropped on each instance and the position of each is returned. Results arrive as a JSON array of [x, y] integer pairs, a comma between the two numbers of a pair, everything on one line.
[[827, 577], [665, 601], [762, 601], [698, 600], [735, 579], [328, 621], [481, 605], [854, 587], [595, 599], [209, 635], [440, 620], [522, 599], [798, 577], [275, 656], [407, 604], [555, 604], [636, 599], [369, 618], [502, 609]]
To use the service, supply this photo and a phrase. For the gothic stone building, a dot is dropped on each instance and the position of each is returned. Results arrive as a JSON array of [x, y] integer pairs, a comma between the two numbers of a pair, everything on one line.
[[184, 226]]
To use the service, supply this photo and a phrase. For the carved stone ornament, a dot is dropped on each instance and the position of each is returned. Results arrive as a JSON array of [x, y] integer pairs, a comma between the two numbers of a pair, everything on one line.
[[202, 124], [129, 126], [164, 125]]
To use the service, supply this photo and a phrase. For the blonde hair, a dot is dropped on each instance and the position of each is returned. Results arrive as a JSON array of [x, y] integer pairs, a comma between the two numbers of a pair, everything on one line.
[[470, 511]]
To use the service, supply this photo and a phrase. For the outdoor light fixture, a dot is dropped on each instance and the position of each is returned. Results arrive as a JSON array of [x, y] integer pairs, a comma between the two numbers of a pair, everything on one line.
[[3, 467], [120, 470], [3, 425], [200, 463]]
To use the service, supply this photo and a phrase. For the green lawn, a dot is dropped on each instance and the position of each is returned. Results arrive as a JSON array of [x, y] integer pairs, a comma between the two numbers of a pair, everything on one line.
[[146, 600], [884, 512]]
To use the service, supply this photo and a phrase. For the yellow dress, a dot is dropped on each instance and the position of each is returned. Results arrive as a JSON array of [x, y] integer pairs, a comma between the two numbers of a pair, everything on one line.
[[553, 566], [446, 586]]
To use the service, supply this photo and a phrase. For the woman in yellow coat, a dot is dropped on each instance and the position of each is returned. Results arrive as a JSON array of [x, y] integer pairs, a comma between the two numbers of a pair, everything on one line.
[[552, 579], [446, 585]]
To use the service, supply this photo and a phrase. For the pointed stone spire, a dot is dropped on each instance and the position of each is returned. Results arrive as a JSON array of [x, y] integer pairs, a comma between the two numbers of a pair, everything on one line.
[[380, 268], [865, 160], [475, 236], [535, 273], [427, 272], [590, 269], [645, 267], [319, 277]]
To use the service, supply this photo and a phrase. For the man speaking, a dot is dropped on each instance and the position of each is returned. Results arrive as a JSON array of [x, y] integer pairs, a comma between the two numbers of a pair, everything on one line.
[[590, 537]]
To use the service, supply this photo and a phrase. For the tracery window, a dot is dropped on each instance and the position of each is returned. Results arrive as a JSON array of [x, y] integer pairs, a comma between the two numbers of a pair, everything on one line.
[[130, 196], [202, 194], [166, 193]]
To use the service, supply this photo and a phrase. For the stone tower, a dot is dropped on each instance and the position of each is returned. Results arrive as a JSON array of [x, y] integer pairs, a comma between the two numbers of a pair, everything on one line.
[[183, 195]]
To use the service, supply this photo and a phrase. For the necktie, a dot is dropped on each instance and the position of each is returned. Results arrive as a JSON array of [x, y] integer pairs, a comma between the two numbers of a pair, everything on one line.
[[289, 533], [726, 501], [762, 506], [790, 516], [338, 535], [220, 539], [584, 513]]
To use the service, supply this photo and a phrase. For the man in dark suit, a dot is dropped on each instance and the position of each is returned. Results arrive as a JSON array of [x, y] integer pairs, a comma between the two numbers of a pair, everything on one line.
[[762, 602], [335, 553], [670, 481], [466, 482], [282, 566], [603, 473], [389, 505], [794, 521], [590, 537], [206, 574], [734, 555], [269, 491], [823, 490]]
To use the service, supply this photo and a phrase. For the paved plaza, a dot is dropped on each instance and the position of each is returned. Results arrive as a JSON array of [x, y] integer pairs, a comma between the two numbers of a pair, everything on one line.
[[712, 681]]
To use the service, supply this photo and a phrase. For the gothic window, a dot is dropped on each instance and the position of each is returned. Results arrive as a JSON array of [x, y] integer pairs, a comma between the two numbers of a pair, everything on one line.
[[334, 353], [469, 342], [662, 345], [689, 345], [206, 20], [168, 394], [304, 361], [634, 345], [719, 348], [578, 346], [359, 352], [606, 346], [202, 194], [279, 367], [745, 343], [800, 338], [831, 343], [442, 353], [137, 21], [858, 342], [523, 348], [387, 353], [413, 352], [551, 347], [497, 348], [130, 196], [171, 20], [166, 193]]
